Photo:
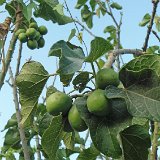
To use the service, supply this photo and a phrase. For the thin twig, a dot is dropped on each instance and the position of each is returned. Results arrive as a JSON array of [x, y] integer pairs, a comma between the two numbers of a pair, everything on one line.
[[155, 4], [155, 142], [18, 115], [19, 59], [156, 35]]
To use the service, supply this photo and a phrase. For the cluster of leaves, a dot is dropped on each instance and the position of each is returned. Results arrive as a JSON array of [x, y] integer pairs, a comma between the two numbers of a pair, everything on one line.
[[125, 133]]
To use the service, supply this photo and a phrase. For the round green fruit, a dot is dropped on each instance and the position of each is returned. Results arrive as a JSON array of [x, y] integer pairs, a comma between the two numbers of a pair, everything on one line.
[[32, 44], [98, 104], [22, 37], [20, 31], [106, 77], [67, 127], [38, 36], [57, 103], [41, 42], [33, 25], [75, 120], [43, 30], [31, 33]]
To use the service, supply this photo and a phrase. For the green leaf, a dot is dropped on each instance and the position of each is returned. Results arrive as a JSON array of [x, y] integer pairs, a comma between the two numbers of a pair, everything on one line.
[[93, 4], [87, 16], [99, 47], [11, 138], [44, 123], [66, 79], [110, 29], [71, 57], [80, 3], [72, 34], [2, 2], [135, 142], [145, 20], [68, 139], [157, 22], [141, 79], [30, 81], [88, 154], [52, 10], [80, 81], [101, 63], [104, 130], [152, 49], [52, 137], [116, 6]]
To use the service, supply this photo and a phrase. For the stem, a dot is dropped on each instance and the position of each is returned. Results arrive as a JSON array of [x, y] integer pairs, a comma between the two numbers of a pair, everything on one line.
[[38, 150], [10, 49], [155, 5], [86, 138], [155, 142], [18, 115], [94, 71], [156, 35]]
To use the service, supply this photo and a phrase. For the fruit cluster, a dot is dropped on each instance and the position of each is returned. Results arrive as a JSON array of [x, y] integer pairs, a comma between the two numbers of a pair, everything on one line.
[[33, 35], [97, 103]]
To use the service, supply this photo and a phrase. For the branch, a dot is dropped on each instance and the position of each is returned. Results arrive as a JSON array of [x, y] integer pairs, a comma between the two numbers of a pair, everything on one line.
[[155, 142], [18, 115], [10, 49], [114, 53], [155, 4], [155, 33]]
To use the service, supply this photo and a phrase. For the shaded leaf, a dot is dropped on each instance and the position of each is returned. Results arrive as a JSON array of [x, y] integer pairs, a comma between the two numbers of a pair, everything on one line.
[[68, 139], [135, 142], [99, 47], [2, 2], [93, 4], [110, 29], [141, 79], [30, 81], [104, 130], [52, 137], [89, 153], [80, 81]]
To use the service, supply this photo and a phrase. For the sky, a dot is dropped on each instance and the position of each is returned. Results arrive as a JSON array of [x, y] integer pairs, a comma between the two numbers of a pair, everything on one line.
[[132, 36]]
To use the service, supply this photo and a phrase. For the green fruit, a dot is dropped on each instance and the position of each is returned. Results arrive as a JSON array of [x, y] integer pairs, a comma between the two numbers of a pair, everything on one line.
[[38, 36], [106, 77], [22, 37], [33, 25], [43, 30], [75, 120], [32, 44], [41, 42], [31, 33], [57, 103], [20, 31], [98, 104], [11, 122]]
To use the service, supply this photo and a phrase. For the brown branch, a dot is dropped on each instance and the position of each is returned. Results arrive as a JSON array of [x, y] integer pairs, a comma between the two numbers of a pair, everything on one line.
[[155, 142], [10, 49], [114, 53], [18, 115], [155, 5]]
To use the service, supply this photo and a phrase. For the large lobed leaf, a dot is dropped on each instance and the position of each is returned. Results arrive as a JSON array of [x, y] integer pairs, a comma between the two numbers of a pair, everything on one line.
[[52, 137], [104, 130], [30, 81], [141, 79], [71, 57], [99, 47], [52, 10]]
